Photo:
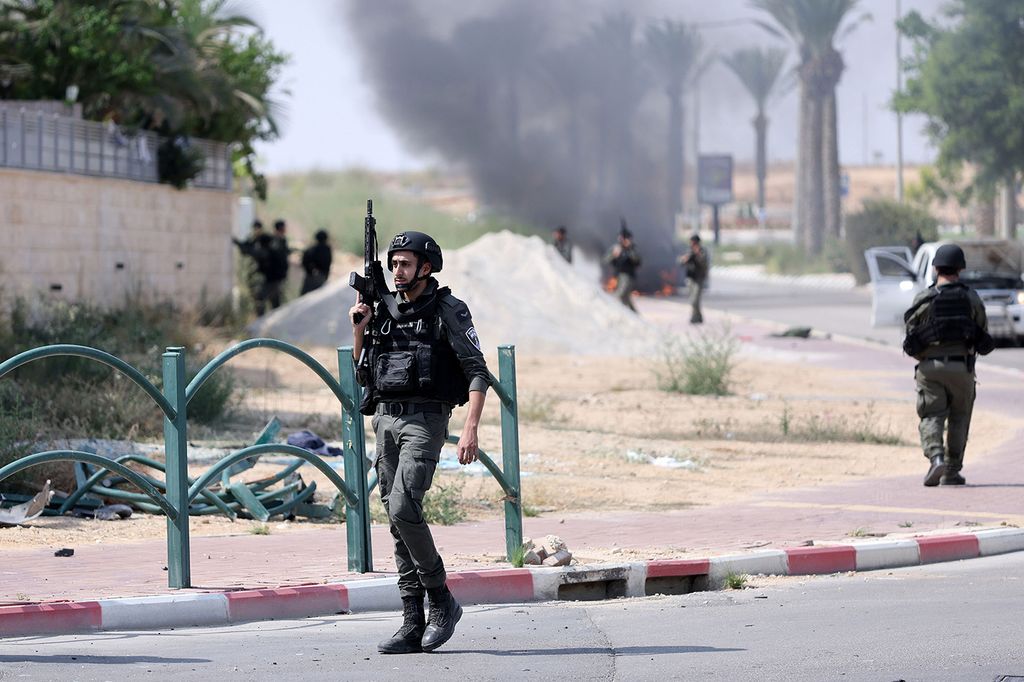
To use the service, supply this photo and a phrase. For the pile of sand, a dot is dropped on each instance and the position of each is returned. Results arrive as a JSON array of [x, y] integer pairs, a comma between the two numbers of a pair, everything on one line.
[[519, 290]]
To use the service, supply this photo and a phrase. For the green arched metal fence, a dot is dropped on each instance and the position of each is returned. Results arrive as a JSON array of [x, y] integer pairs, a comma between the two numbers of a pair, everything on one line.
[[181, 491]]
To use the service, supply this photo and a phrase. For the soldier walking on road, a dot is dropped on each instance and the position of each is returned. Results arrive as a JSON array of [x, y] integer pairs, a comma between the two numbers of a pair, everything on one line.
[[421, 364], [697, 267], [946, 329], [624, 261]]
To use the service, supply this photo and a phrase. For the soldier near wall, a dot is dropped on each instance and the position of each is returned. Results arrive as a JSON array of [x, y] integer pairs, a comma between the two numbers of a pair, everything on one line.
[[946, 330]]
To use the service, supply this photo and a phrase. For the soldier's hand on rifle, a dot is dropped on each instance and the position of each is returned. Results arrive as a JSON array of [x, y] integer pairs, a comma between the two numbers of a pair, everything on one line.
[[357, 310]]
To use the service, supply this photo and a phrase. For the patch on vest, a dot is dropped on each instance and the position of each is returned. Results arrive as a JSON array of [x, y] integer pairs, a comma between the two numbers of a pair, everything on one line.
[[473, 338]]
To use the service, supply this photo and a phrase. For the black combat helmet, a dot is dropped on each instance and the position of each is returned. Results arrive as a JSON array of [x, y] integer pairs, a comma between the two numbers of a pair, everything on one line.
[[420, 244], [950, 256]]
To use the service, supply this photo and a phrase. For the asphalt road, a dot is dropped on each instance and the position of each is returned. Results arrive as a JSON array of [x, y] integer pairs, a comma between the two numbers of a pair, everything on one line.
[[846, 312], [958, 621]]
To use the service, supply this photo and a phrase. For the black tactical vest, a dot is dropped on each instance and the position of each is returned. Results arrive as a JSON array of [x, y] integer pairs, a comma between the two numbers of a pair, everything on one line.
[[412, 357], [948, 319]]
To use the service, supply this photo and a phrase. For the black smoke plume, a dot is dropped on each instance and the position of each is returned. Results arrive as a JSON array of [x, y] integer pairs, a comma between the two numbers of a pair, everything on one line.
[[558, 120]]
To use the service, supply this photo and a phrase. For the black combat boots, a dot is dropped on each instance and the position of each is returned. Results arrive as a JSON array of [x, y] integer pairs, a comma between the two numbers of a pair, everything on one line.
[[445, 612], [952, 478], [407, 639], [935, 471]]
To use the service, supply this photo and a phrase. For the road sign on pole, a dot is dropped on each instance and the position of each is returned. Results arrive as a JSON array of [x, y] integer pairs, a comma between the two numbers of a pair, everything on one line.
[[714, 184], [714, 177]]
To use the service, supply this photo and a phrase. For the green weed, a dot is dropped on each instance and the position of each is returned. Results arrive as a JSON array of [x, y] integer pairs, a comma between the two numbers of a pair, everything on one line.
[[735, 581], [259, 529], [443, 504], [697, 365], [518, 554]]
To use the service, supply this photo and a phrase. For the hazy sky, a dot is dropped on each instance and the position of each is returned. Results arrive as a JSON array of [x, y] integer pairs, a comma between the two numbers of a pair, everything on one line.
[[332, 120]]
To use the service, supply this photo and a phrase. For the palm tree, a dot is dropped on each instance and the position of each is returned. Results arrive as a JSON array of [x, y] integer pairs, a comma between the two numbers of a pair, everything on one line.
[[673, 48], [758, 69], [812, 26]]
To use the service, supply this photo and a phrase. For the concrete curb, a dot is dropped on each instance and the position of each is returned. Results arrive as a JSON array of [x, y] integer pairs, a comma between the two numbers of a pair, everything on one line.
[[584, 582]]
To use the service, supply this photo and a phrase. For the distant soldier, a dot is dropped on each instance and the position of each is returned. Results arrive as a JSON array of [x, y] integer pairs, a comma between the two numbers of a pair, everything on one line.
[[562, 243], [274, 266], [316, 262], [946, 328], [250, 250], [624, 261], [697, 267]]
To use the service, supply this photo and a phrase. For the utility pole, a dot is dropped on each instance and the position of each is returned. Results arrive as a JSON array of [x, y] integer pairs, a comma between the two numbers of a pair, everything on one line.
[[899, 116]]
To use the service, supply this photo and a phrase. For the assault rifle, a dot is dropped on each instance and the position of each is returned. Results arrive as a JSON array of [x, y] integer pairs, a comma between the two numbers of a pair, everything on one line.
[[370, 285]]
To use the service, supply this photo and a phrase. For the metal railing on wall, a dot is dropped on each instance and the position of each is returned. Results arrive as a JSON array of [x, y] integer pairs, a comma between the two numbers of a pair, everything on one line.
[[37, 140], [180, 490]]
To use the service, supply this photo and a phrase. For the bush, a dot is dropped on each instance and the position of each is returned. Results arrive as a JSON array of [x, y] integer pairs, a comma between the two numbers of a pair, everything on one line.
[[67, 397], [177, 162], [699, 365], [884, 222], [443, 504]]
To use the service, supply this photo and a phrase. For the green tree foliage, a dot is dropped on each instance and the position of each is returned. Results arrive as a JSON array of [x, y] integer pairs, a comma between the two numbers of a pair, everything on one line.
[[967, 76], [884, 222], [183, 68]]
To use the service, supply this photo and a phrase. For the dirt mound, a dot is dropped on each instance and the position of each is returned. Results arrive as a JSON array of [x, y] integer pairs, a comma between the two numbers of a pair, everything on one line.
[[519, 290]]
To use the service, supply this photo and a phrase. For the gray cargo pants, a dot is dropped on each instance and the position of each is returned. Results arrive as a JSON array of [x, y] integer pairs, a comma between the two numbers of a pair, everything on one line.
[[408, 448], [945, 392]]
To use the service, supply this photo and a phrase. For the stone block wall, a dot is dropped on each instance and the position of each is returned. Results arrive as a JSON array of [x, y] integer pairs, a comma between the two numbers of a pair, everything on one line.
[[101, 240]]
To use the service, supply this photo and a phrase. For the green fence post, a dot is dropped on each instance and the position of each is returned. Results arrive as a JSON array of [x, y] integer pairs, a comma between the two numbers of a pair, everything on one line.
[[179, 572], [510, 450], [353, 436]]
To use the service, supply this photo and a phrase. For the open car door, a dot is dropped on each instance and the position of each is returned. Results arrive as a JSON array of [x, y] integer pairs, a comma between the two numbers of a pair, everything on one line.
[[893, 283]]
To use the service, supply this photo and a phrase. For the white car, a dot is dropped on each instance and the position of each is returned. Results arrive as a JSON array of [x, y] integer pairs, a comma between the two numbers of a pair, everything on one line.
[[994, 268]]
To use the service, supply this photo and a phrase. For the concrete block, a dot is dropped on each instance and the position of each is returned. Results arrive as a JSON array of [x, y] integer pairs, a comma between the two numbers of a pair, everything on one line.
[[879, 554], [766, 562], [166, 611], [1000, 540], [373, 594]]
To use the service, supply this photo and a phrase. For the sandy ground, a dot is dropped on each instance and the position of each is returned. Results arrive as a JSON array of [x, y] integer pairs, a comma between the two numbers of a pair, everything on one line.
[[591, 428]]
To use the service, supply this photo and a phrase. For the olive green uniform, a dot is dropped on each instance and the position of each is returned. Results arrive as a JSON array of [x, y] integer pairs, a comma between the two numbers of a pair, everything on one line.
[[945, 384], [624, 265], [697, 267], [410, 434]]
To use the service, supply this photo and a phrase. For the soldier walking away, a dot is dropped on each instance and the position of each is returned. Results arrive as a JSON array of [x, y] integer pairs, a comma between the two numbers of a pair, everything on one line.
[[562, 243], [423, 359], [946, 329], [316, 263], [624, 261], [697, 267]]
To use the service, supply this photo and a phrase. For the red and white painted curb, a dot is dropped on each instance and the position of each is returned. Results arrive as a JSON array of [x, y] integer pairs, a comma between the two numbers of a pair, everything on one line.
[[499, 585]]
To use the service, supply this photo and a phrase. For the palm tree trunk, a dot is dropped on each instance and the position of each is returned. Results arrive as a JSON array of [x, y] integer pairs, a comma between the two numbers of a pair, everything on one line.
[[674, 190], [1009, 206], [985, 214], [830, 150], [814, 177], [760, 154], [799, 182]]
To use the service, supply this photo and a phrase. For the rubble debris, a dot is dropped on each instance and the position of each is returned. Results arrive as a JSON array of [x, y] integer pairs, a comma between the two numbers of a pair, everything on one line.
[[113, 512], [21, 513]]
